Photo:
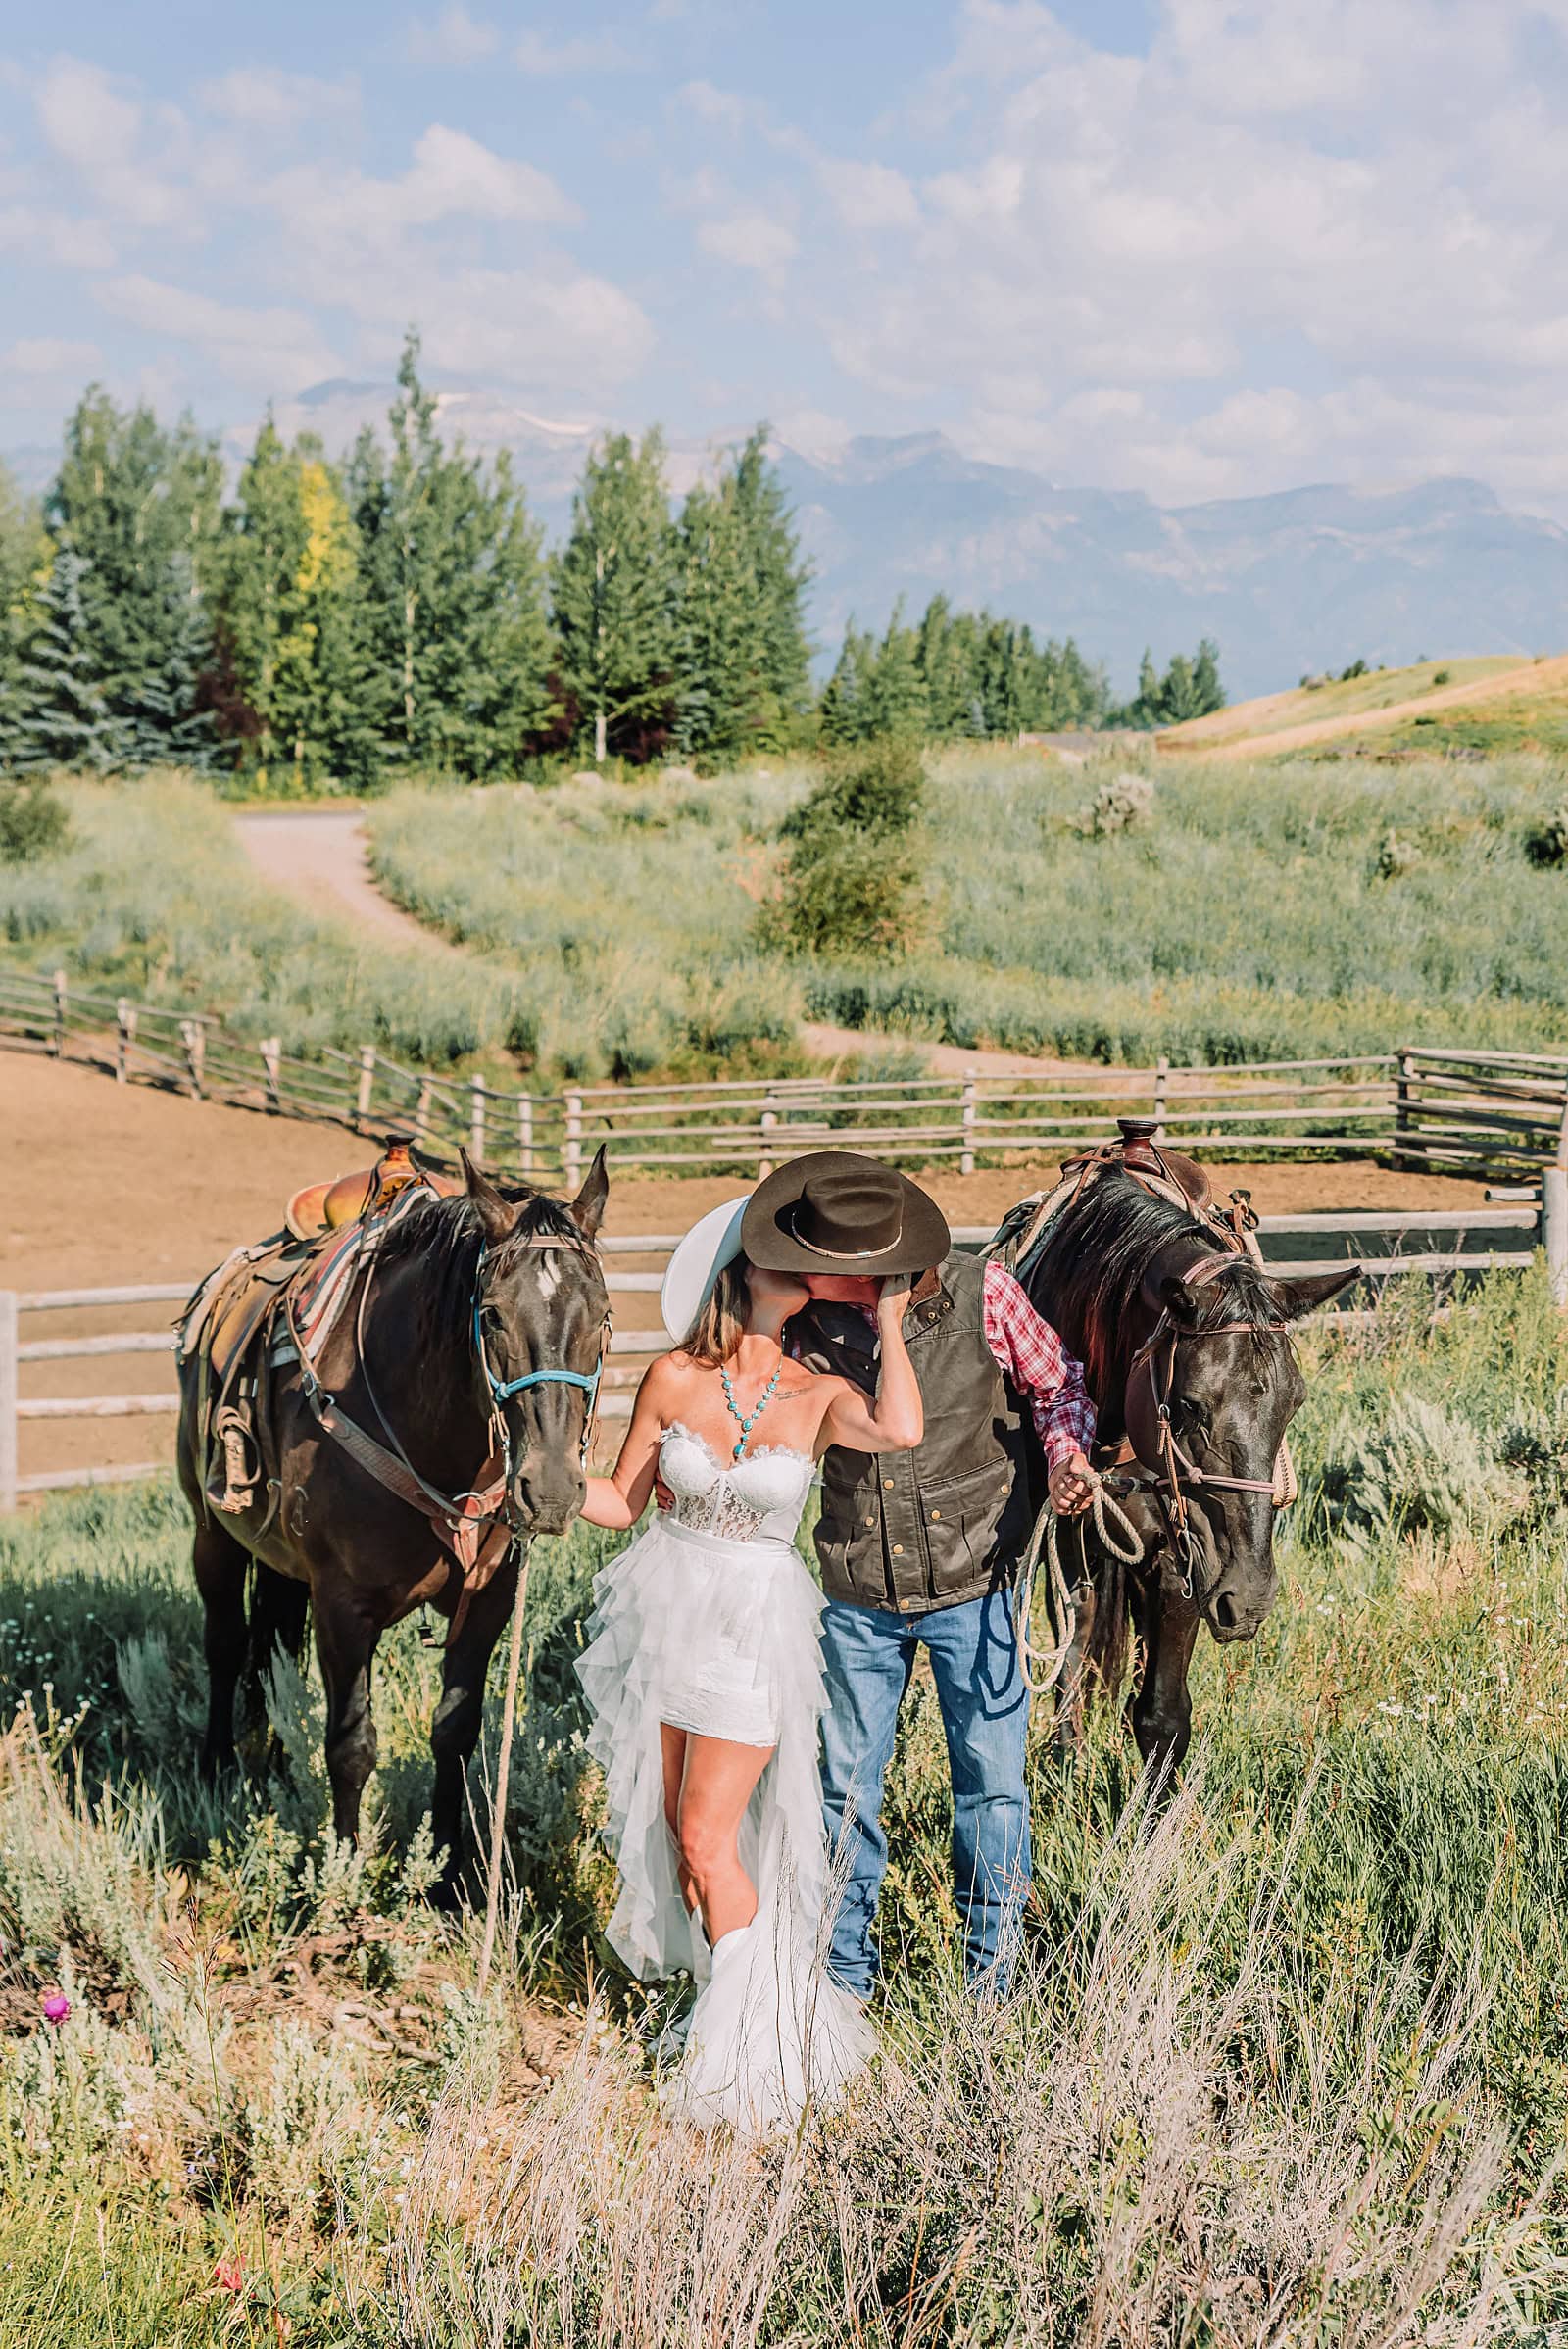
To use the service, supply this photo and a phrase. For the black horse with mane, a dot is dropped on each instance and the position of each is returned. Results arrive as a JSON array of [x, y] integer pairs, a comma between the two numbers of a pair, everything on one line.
[[456, 1383], [1187, 1352]]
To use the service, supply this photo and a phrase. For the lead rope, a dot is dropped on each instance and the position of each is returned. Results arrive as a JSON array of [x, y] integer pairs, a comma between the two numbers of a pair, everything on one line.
[[497, 1813], [1041, 1671]]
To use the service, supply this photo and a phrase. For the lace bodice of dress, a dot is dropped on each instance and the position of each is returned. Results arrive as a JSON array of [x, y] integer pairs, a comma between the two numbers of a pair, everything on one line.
[[759, 1498]]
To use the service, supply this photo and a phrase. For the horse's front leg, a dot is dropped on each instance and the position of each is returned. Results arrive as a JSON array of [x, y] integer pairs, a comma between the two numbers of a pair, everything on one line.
[[345, 1642], [221, 1566], [455, 1730], [1161, 1707]]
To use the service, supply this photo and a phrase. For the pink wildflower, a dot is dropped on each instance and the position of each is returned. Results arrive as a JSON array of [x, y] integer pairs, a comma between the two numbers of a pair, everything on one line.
[[55, 2007], [230, 2273]]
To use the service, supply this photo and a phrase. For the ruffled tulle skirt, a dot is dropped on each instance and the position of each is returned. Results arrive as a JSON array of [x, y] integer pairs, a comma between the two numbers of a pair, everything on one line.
[[722, 1639]]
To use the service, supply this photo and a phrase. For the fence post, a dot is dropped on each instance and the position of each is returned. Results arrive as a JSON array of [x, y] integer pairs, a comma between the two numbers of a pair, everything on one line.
[[1554, 1229], [272, 1050], [765, 1156], [966, 1116], [124, 1036], [8, 1399], [476, 1121], [525, 1135], [193, 1035], [1161, 1096], [421, 1110], [362, 1098], [1401, 1105], [59, 1014], [571, 1149]]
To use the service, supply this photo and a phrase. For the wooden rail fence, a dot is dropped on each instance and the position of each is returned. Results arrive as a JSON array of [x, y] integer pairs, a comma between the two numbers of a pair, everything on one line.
[[1478, 1111], [1468, 1241]]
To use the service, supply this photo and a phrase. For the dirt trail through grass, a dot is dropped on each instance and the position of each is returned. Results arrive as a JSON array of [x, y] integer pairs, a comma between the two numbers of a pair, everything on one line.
[[325, 857]]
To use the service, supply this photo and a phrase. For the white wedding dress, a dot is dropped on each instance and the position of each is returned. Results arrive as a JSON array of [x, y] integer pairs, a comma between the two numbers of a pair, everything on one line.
[[709, 1622]]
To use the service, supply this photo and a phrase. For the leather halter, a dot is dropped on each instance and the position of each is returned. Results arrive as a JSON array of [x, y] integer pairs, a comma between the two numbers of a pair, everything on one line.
[[1152, 1446], [478, 1527]]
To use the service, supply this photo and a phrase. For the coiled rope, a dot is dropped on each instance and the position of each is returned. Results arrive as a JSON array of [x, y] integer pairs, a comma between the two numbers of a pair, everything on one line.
[[1042, 1669]]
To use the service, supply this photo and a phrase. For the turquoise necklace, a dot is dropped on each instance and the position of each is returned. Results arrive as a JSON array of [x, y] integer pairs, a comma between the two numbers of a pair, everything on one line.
[[750, 1418]]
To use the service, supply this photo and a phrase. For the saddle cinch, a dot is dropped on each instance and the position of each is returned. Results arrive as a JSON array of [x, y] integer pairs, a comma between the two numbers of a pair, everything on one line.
[[1170, 1176], [244, 1316]]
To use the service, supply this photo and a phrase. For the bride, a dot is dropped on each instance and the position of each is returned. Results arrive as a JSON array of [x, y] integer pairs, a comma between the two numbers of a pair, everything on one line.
[[705, 1681]]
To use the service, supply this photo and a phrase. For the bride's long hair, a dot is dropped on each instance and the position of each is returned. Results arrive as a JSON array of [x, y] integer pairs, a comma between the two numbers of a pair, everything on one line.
[[715, 1335]]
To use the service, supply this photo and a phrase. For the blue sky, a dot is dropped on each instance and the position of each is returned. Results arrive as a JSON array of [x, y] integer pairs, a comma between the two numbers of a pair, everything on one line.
[[1179, 246]]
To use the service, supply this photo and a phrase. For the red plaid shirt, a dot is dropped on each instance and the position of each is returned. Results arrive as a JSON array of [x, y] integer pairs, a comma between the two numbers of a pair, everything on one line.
[[1029, 1352]]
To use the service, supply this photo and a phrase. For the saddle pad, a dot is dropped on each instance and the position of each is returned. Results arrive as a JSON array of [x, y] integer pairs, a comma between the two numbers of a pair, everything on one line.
[[329, 1280]]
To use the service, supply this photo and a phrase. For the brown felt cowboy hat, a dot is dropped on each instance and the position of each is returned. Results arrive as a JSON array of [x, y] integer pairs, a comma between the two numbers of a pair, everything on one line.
[[834, 1211]]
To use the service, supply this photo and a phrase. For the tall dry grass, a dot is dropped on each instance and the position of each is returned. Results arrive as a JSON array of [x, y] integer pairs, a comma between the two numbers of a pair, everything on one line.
[[1290, 2068]]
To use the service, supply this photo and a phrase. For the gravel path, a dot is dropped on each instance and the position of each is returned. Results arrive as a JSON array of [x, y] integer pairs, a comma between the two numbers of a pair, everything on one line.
[[325, 857]]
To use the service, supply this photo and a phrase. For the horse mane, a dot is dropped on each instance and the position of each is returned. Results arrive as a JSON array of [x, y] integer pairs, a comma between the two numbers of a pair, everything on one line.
[[1089, 1271], [445, 1238]]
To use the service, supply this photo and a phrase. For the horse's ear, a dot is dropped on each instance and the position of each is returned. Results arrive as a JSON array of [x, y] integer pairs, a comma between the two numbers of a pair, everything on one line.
[[1295, 1297], [1172, 1295], [588, 1207], [497, 1215]]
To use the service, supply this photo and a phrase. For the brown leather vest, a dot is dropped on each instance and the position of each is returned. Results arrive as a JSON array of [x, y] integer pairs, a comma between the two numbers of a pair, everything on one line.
[[931, 1528]]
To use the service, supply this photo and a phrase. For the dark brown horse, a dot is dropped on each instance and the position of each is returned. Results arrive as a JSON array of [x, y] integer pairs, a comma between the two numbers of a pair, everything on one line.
[[478, 1334], [1116, 1267]]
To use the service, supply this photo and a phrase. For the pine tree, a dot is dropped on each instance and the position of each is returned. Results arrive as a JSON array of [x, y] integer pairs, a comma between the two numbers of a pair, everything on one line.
[[613, 598], [779, 579], [62, 717], [453, 571], [25, 558], [719, 648], [1178, 698], [846, 697], [142, 506], [1208, 691], [894, 691]]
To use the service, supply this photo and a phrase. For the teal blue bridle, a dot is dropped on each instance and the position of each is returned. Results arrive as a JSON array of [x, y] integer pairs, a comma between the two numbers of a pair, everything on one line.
[[503, 1390]]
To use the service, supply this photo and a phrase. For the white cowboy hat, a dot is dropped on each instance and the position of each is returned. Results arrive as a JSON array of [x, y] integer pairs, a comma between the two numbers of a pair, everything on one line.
[[713, 1241]]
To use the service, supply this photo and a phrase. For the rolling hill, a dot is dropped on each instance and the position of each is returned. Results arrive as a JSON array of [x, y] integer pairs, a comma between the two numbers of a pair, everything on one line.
[[1485, 704]]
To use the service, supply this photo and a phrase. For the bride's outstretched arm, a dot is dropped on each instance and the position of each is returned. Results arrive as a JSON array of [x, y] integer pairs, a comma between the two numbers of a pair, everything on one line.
[[896, 1420], [619, 1499]]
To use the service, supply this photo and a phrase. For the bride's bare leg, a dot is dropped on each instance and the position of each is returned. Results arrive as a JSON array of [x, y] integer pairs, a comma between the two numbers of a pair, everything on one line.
[[715, 1789], [672, 1747]]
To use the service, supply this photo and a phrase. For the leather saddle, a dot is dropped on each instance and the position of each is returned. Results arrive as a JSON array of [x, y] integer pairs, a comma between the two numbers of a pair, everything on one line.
[[227, 1329]]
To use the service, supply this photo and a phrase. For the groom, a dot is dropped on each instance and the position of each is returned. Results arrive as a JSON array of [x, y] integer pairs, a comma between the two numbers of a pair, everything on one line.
[[918, 1549]]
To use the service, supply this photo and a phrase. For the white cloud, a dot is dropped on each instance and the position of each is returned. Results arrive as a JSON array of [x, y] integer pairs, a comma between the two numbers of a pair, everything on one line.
[[753, 240], [45, 359], [124, 152], [263, 349], [261, 98], [869, 195], [455, 38], [56, 238], [1280, 209], [585, 53]]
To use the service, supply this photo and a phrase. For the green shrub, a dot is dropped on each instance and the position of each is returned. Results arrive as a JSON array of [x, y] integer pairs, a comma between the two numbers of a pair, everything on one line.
[[34, 822], [1546, 843], [852, 856]]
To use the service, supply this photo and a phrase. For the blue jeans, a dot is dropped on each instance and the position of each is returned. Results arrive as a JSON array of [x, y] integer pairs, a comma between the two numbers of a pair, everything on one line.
[[869, 1655]]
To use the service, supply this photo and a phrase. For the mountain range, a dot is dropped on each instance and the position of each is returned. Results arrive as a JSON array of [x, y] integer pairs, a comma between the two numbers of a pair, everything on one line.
[[1304, 580]]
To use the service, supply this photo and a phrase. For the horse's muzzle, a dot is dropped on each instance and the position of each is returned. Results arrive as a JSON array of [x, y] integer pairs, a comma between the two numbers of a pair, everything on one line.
[[546, 1495]]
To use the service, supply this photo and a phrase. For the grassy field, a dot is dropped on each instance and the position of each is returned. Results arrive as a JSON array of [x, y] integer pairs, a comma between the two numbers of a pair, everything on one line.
[[152, 896], [1256, 912], [1293, 2070], [1338, 697]]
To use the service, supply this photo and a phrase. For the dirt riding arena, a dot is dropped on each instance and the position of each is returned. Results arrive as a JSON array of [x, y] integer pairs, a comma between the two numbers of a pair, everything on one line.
[[109, 1185]]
